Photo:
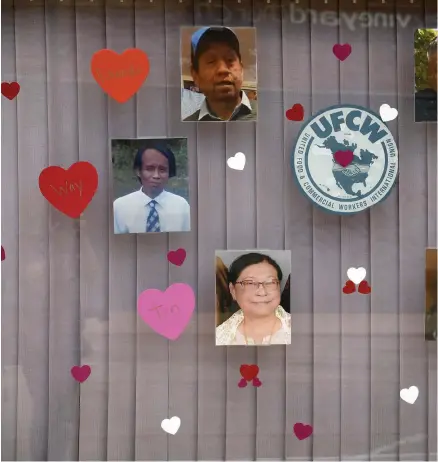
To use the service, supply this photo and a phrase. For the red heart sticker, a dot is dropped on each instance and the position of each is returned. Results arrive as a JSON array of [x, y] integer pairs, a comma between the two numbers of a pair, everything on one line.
[[10, 90], [302, 431], [349, 287], [295, 113], [69, 191], [81, 373], [3, 253], [343, 158], [120, 75], [342, 52], [176, 257], [364, 288], [249, 371]]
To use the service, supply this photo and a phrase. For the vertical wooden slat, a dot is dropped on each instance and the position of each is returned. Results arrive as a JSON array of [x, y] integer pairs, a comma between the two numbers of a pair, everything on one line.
[[94, 227], [183, 356], [9, 241], [269, 161], [33, 240], [298, 212], [327, 269], [384, 233], [212, 229], [413, 240], [355, 308], [63, 234], [240, 197], [152, 267]]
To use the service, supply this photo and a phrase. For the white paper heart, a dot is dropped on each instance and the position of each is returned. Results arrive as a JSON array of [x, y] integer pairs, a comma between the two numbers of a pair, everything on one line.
[[171, 425], [410, 394], [357, 275], [387, 112], [237, 162]]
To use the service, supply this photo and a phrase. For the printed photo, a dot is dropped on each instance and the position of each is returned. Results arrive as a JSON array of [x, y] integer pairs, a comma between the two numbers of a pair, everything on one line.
[[218, 74], [431, 294], [150, 185], [253, 297], [425, 45]]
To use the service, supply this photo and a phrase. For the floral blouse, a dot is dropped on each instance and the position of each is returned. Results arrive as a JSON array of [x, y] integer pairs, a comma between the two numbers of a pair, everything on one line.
[[227, 333]]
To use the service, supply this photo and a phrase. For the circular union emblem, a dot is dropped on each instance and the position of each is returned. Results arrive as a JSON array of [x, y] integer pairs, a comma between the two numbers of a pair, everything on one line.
[[345, 159]]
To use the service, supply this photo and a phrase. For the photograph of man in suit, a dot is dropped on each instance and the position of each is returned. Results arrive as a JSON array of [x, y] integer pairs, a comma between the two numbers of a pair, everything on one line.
[[217, 71], [425, 99]]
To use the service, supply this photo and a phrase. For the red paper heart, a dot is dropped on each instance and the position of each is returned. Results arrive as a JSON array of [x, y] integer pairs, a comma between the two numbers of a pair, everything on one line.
[[302, 431], [69, 191], [3, 253], [342, 52], [364, 288], [122, 75], [81, 373], [349, 287], [176, 257], [248, 372], [343, 158], [10, 90], [242, 384], [296, 113]]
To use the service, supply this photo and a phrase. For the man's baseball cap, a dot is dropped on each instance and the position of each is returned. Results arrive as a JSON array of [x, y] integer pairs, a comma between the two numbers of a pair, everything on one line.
[[202, 37]]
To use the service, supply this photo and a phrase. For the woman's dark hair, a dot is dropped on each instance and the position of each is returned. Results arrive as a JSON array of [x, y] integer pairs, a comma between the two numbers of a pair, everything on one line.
[[159, 146], [248, 259]]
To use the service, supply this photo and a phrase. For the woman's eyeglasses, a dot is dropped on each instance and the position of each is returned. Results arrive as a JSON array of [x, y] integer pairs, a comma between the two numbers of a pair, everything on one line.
[[252, 286]]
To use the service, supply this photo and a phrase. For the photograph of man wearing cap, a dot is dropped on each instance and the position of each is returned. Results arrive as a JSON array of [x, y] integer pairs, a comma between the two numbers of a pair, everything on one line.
[[217, 71]]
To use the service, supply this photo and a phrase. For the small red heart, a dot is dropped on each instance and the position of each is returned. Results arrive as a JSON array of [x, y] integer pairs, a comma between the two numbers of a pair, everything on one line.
[[364, 288], [69, 191], [3, 253], [302, 431], [176, 257], [242, 384], [256, 382], [10, 90], [296, 113], [248, 372], [81, 373], [343, 158], [342, 52], [349, 287]]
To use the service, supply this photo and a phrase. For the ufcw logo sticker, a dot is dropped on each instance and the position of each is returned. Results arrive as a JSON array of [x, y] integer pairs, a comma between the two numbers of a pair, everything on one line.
[[345, 159]]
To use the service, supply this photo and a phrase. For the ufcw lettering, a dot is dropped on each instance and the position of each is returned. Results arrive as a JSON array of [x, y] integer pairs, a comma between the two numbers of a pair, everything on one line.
[[72, 187]]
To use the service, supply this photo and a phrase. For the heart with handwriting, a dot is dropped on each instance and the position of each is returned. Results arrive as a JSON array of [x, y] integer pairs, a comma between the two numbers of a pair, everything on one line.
[[169, 312], [70, 191], [120, 75]]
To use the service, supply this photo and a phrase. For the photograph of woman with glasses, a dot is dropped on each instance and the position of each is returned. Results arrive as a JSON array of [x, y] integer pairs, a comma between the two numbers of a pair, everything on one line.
[[255, 281]]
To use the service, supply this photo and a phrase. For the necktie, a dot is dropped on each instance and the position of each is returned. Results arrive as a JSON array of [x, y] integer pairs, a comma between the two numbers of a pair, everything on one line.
[[153, 220]]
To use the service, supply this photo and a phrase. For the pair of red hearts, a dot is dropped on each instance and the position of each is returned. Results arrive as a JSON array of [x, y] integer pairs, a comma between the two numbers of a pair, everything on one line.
[[350, 287], [249, 373]]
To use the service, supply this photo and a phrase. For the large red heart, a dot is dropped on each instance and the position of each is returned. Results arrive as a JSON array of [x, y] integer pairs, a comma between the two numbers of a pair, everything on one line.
[[69, 191], [342, 52], [120, 76], [10, 90], [81, 373], [176, 257], [302, 431], [343, 158], [295, 113], [249, 371]]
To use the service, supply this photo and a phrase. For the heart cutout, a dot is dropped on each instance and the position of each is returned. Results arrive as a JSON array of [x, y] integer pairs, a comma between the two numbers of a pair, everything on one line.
[[410, 394], [343, 158], [349, 287], [169, 312], [249, 371], [295, 113], [364, 288], [171, 425], [120, 75], [356, 274], [237, 162], [342, 52], [302, 431], [81, 373], [10, 90], [242, 383], [256, 382], [387, 112], [176, 257], [70, 191]]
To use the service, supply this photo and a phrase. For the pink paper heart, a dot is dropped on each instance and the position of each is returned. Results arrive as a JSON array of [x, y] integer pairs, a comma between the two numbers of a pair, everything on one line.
[[302, 431], [343, 158], [3, 253], [342, 52], [256, 382], [169, 312], [81, 373], [242, 384]]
